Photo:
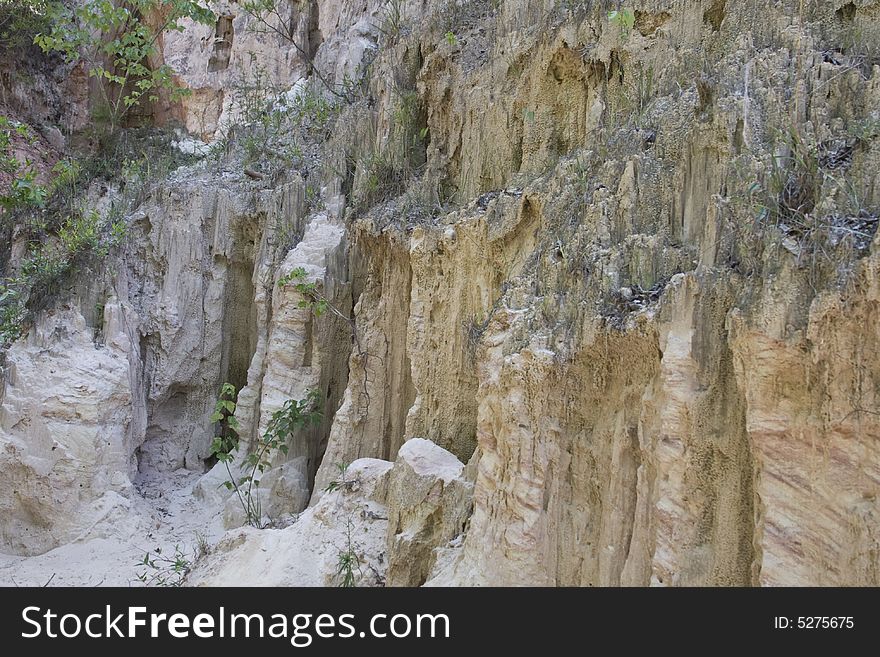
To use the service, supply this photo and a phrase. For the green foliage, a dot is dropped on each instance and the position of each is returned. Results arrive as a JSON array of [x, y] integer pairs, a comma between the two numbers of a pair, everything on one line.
[[409, 133], [379, 180], [163, 570], [311, 297], [226, 440], [13, 312], [624, 19], [23, 189], [116, 42], [347, 562], [21, 21], [804, 203], [392, 19], [342, 482], [277, 128], [450, 38], [48, 263], [64, 235], [293, 415]]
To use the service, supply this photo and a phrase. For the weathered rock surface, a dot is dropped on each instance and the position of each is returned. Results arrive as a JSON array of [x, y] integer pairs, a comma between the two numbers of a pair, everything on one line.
[[348, 520], [428, 503], [629, 276], [389, 516], [63, 431]]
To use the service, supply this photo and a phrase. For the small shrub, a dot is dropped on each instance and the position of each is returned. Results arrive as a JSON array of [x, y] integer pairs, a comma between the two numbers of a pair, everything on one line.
[[378, 180], [163, 570], [21, 21], [624, 19], [48, 264], [392, 19], [474, 331], [65, 236], [791, 209], [293, 415], [23, 189], [312, 298], [116, 43], [277, 128], [342, 482], [347, 562]]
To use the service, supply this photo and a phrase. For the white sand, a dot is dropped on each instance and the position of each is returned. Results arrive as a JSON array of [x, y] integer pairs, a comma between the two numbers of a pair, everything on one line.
[[160, 511]]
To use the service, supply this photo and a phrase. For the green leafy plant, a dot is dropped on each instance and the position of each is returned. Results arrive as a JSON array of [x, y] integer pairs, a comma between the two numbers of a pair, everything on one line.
[[312, 298], [20, 21], [23, 189], [315, 301], [163, 570], [347, 562], [48, 263], [226, 439], [450, 38], [277, 124], [342, 482], [293, 415], [624, 19], [116, 42]]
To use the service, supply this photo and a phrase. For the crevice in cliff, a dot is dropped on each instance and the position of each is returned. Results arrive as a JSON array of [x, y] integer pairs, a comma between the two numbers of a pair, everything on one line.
[[160, 451], [715, 14], [223, 35], [239, 323], [315, 38]]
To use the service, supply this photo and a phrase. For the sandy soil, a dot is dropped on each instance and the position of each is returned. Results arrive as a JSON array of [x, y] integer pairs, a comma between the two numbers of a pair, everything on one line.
[[161, 512]]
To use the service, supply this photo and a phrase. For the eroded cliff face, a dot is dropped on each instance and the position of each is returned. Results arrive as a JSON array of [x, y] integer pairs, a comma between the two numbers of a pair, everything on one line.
[[606, 306]]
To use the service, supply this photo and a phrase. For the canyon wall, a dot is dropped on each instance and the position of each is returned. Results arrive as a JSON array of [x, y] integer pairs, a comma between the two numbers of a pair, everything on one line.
[[605, 302]]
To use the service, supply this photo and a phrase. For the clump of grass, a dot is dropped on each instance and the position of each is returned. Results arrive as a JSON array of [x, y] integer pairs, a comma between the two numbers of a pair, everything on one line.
[[806, 205]]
